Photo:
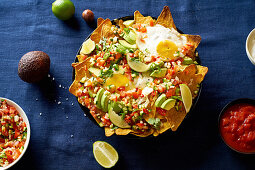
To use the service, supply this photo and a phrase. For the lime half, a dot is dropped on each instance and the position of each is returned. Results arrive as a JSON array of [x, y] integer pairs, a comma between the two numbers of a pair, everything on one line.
[[88, 46], [105, 154], [186, 96], [63, 9]]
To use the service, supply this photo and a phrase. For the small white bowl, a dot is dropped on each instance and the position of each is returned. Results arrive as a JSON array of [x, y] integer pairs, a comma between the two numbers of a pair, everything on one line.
[[249, 40], [25, 119]]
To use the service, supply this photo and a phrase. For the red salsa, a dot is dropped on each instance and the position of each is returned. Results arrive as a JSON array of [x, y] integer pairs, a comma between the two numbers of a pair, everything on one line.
[[237, 126], [13, 134]]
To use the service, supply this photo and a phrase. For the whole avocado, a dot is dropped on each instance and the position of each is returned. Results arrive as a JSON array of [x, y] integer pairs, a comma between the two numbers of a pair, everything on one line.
[[34, 66]]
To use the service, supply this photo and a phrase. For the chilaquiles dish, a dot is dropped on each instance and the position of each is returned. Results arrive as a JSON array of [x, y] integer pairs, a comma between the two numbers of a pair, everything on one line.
[[139, 76]]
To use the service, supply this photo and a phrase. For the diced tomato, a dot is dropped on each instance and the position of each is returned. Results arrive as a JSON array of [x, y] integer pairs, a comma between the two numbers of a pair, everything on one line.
[[12, 110], [154, 93], [139, 91], [161, 111], [140, 125], [170, 92], [17, 133], [153, 58], [151, 23], [146, 111], [121, 88], [100, 62], [135, 95], [161, 88]]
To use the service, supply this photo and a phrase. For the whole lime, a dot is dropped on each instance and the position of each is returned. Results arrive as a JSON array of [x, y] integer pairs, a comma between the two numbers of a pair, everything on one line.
[[63, 9]]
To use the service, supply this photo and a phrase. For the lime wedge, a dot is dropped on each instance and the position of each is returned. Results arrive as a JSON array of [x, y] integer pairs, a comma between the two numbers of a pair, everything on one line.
[[137, 65], [186, 96], [88, 46], [117, 120], [105, 154]]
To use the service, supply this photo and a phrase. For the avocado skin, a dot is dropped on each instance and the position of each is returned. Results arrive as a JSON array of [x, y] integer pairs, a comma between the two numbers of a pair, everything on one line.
[[34, 66]]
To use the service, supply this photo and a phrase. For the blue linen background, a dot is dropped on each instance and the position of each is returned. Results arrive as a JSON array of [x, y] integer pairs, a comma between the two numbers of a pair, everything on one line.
[[62, 138]]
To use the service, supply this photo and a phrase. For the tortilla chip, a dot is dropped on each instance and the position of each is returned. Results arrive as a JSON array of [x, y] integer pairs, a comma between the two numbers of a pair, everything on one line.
[[191, 77], [193, 39], [106, 30], [175, 117], [108, 131], [96, 35], [136, 15], [120, 131], [145, 134], [99, 21], [144, 20], [165, 18], [81, 70], [81, 57]]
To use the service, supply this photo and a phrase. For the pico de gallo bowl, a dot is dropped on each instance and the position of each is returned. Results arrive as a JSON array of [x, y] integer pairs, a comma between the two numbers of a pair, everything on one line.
[[14, 133], [237, 125]]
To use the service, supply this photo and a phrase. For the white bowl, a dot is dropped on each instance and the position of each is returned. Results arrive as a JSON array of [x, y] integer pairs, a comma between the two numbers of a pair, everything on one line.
[[25, 119], [249, 44]]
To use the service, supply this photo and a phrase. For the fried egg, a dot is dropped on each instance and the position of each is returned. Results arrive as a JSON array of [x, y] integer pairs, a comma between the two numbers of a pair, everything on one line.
[[160, 41]]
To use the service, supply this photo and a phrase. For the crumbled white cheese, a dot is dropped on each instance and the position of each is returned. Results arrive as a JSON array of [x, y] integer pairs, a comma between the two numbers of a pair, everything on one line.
[[147, 90], [16, 118]]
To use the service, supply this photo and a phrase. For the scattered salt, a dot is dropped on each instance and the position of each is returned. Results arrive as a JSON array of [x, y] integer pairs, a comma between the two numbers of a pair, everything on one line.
[[71, 136], [48, 75], [40, 114], [85, 115], [59, 102], [72, 104], [66, 117], [66, 99], [36, 99], [59, 86], [53, 78]]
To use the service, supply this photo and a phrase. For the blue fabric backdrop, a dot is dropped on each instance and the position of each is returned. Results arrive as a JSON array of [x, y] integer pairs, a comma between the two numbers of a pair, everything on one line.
[[62, 138]]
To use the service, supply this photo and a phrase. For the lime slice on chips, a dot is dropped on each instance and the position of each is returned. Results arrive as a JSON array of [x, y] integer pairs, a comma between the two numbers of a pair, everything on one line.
[[117, 120], [137, 65], [105, 154], [186, 96], [88, 46]]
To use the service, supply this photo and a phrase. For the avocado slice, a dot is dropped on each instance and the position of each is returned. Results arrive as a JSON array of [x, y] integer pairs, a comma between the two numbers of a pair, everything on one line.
[[159, 73], [187, 61], [127, 45], [95, 71], [117, 120], [168, 104], [130, 37], [160, 100], [98, 97], [115, 106], [128, 23], [104, 102], [121, 49]]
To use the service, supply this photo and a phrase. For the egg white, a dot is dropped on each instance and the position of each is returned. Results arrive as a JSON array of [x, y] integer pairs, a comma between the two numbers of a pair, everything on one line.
[[156, 34]]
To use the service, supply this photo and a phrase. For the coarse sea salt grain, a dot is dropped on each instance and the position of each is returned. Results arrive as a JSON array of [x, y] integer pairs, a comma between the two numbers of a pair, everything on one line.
[[66, 99], [40, 114], [71, 136], [59, 102], [66, 117], [48, 75], [59, 86], [72, 104]]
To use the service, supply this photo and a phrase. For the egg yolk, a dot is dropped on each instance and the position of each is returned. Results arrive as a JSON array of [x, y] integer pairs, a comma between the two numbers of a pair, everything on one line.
[[117, 80], [166, 49]]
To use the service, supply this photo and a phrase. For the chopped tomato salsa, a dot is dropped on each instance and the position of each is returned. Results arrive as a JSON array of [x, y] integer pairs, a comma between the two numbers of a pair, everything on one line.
[[13, 134], [237, 126]]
